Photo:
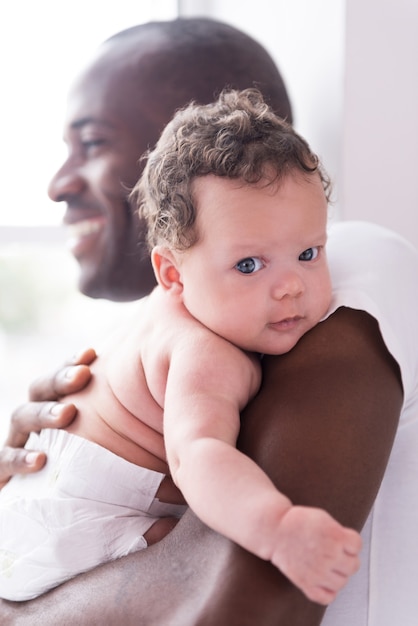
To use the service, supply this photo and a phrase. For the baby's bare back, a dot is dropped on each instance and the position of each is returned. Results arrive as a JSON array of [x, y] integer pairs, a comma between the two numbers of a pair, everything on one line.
[[121, 408]]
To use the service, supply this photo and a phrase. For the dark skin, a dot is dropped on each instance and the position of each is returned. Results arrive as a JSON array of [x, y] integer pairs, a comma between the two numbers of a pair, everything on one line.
[[116, 110], [42, 412], [318, 447]]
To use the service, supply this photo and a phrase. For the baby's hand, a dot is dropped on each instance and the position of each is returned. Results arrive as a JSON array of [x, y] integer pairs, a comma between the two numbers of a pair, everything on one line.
[[316, 553]]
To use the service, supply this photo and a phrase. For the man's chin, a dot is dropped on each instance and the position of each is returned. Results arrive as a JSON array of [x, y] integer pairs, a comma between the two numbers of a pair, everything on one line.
[[92, 286], [116, 291], [121, 283]]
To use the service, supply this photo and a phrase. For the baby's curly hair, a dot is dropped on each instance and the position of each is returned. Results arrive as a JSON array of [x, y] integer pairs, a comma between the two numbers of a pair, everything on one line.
[[237, 137]]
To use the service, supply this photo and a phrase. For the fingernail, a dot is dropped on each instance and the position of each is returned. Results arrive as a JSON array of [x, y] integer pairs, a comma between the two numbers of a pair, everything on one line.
[[78, 356], [69, 372], [31, 458], [56, 409]]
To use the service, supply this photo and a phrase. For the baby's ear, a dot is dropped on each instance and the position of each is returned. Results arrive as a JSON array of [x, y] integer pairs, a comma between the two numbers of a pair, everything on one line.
[[166, 269]]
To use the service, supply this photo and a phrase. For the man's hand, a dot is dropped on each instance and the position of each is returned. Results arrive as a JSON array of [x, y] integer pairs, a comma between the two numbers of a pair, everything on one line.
[[43, 411]]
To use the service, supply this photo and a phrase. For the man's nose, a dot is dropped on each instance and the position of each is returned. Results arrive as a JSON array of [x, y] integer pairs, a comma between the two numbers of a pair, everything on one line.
[[288, 284], [66, 182]]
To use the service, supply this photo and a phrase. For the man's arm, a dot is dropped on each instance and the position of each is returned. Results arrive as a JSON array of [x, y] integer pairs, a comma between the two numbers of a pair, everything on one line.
[[322, 427], [324, 422], [227, 490]]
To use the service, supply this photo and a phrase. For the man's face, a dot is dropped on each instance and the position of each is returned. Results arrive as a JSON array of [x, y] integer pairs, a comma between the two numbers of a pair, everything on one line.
[[106, 131]]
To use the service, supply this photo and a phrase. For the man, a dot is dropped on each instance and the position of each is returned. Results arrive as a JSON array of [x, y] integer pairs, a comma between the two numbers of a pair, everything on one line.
[[116, 111], [114, 115], [326, 447]]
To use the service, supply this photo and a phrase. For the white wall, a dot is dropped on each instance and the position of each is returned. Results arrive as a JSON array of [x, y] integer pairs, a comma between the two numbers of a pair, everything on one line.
[[380, 146]]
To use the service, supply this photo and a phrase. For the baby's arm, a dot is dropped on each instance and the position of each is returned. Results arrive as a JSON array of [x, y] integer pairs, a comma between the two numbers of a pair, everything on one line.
[[228, 491]]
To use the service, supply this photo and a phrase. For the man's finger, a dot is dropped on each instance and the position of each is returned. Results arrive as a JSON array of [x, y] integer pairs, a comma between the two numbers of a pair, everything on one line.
[[33, 416], [18, 461]]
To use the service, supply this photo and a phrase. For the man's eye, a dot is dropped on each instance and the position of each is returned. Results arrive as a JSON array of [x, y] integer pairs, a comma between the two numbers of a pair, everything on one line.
[[92, 143], [249, 265], [309, 254]]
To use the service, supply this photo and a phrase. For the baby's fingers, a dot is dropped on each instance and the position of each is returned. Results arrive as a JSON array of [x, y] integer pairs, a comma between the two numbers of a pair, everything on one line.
[[352, 542], [331, 582]]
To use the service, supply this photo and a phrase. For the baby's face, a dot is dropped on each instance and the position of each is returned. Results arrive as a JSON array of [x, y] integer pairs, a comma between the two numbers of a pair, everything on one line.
[[258, 274]]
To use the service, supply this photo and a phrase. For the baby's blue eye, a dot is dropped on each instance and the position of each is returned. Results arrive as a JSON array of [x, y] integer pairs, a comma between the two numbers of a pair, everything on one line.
[[249, 265], [309, 254]]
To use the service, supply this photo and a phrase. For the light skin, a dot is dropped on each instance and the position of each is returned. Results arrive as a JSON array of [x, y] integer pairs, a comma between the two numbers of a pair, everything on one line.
[[258, 278], [260, 250], [279, 224], [194, 576]]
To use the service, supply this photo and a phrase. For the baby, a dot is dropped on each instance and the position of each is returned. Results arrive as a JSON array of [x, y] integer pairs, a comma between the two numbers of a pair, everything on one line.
[[236, 209]]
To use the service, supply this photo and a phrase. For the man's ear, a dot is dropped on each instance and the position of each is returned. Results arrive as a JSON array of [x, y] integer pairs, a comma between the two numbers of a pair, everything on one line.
[[166, 269]]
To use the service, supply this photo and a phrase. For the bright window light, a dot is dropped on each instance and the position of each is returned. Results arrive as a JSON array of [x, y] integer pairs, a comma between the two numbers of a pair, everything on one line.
[[43, 43]]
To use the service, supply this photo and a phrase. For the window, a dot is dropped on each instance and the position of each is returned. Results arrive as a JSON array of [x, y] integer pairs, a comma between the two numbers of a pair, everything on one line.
[[42, 46]]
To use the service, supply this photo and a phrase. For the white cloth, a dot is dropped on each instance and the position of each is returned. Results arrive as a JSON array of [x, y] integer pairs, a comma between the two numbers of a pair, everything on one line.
[[375, 270], [85, 507]]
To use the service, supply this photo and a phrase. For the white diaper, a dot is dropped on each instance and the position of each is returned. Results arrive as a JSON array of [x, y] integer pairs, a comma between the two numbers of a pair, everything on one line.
[[87, 506]]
